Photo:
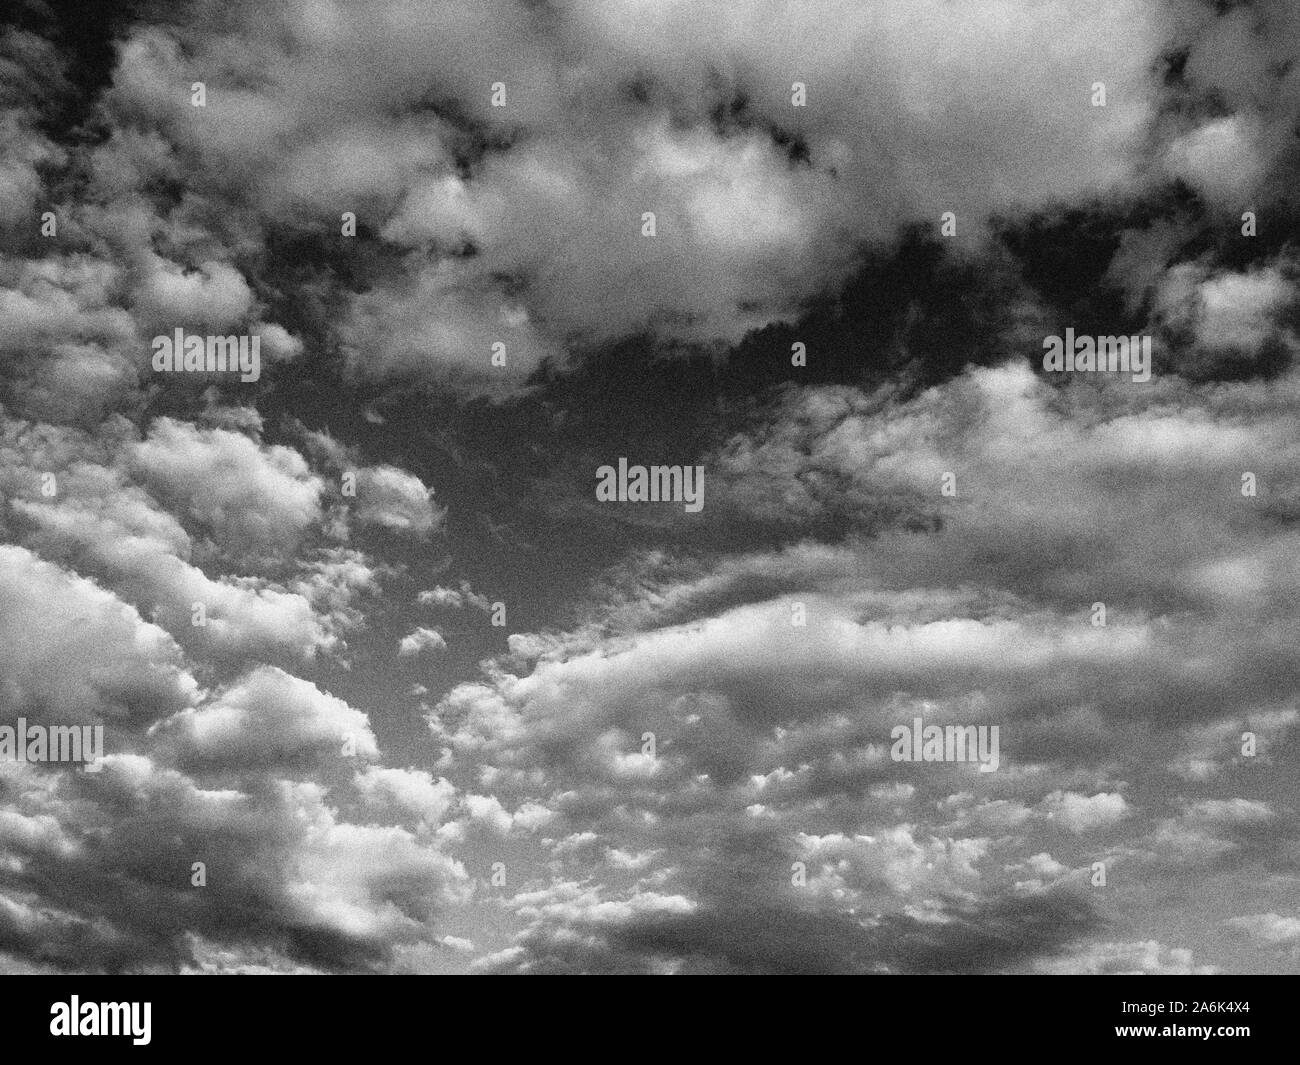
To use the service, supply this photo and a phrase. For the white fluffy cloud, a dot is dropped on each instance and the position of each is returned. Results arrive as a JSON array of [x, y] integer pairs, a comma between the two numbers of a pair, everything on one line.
[[419, 641], [268, 718], [396, 500], [72, 652], [246, 496], [524, 222]]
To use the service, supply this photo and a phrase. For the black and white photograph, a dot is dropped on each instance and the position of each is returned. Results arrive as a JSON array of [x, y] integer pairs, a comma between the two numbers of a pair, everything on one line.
[[646, 487]]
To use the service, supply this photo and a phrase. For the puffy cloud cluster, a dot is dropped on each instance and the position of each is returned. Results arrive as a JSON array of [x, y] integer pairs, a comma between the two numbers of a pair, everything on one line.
[[226, 778], [152, 580], [523, 223], [769, 686], [1233, 146]]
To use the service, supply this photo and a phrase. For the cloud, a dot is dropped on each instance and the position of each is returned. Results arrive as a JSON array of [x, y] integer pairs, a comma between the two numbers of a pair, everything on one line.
[[247, 497], [268, 718], [396, 500], [1143, 957], [1083, 813], [331, 894], [1270, 929], [419, 641], [1220, 159], [580, 932], [33, 70], [614, 111], [452, 599], [1228, 318], [408, 792], [260, 506], [684, 749], [970, 610], [72, 652]]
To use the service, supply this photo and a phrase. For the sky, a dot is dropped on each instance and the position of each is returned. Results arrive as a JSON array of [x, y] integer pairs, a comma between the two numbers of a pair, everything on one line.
[[387, 686]]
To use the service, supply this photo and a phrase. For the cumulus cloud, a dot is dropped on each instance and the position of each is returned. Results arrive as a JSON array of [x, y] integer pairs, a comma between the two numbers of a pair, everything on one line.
[[247, 497], [332, 894], [409, 792], [337, 894], [74, 653], [146, 521], [1082, 813], [1228, 318], [612, 112], [452, 599], [419, 641], [268, 718], [396, 500]]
